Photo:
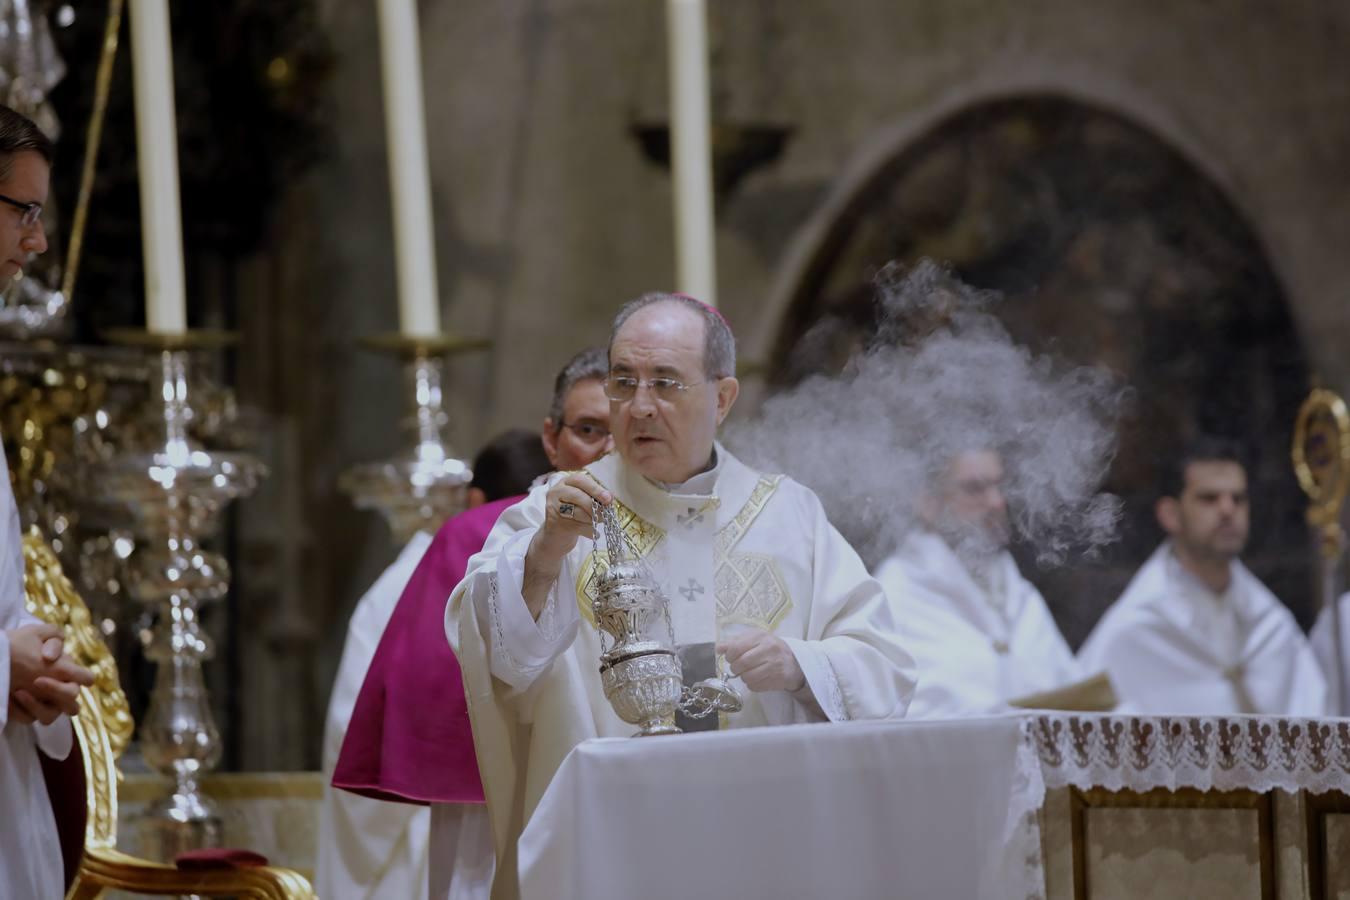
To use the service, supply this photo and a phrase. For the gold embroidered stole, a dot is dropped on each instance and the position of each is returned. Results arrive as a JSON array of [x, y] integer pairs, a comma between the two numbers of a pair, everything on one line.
[[750, 589]]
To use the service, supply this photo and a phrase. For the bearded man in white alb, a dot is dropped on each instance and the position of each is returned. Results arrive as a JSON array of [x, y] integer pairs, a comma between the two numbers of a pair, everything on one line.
[[980, 632], [1195, 632], [754, 572]]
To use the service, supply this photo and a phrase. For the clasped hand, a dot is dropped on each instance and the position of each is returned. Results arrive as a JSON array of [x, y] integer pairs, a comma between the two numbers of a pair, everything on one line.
[[44, 681]]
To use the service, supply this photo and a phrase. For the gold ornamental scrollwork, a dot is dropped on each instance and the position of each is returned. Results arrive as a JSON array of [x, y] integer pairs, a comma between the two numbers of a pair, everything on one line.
[[1321, 458]]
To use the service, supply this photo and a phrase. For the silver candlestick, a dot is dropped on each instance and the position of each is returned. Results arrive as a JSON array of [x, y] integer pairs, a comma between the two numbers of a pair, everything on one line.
[[424, 483], [174, 490]]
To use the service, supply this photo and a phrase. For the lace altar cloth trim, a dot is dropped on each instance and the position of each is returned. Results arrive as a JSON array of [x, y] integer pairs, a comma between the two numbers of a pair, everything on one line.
[[1140, 753], [1024, 874]]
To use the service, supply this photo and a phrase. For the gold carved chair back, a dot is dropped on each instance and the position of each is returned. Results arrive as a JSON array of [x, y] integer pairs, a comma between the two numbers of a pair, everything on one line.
[[104, 725]]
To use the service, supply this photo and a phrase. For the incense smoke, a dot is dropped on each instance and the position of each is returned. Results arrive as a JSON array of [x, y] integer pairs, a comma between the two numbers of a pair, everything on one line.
[[941, 377]]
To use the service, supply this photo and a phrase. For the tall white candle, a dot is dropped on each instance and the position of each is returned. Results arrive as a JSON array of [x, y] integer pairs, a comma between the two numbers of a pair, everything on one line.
[[414, 253], [691, 149], [157, 159]]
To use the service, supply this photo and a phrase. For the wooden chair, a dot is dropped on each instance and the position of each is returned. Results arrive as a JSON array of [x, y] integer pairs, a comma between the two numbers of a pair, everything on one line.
[[102, 731]]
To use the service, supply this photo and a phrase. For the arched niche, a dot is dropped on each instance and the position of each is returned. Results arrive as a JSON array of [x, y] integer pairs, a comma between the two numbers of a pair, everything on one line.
[[1111, 247]]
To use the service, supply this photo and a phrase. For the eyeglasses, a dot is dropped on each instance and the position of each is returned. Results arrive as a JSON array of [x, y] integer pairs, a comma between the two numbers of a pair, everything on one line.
[[31, 211], [622, 388], [588, 432]]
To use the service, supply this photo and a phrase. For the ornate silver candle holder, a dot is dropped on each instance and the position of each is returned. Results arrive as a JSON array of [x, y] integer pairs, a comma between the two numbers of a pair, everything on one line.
[[639, 668], [174, 490], [424, 483]]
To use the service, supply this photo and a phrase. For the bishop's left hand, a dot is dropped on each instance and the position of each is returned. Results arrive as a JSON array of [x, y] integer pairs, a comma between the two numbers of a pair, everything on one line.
[[764, 662]]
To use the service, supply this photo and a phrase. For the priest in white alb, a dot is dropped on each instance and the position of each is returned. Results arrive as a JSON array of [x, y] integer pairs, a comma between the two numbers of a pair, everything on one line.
[[1195, 632], [39, 683], [40, 687], [762, 589], [980, 632]]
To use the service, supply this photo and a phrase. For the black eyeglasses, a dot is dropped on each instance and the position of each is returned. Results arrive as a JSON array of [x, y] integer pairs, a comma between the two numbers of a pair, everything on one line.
[[31, 211]]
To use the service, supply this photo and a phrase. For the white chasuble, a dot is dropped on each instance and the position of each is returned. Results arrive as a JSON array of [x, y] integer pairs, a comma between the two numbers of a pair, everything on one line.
[[1173, 646], [731, 549], [977, 647], [30, 854]]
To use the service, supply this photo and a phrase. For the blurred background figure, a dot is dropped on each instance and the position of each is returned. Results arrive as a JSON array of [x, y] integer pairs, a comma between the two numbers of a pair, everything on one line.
[[1195, 631], [980, 632]]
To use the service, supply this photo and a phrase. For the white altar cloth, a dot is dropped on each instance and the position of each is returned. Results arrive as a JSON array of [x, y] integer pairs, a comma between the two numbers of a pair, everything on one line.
[[854, 810]]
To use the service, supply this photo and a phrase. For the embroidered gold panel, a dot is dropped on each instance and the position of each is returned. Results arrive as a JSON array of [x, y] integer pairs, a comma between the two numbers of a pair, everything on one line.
[[750, 588]]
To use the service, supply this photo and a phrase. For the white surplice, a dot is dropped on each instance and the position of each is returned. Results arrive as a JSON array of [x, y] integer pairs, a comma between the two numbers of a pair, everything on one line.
[[1337, 672], [977, 647], [369, 849], [731, 548], [30, 854], [1173, 646]]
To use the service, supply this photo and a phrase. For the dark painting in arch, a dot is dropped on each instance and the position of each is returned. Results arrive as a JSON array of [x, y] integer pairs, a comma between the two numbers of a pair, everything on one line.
[[1110, 249]]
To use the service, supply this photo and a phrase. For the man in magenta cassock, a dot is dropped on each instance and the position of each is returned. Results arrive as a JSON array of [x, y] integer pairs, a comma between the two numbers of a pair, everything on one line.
[[407, 736]]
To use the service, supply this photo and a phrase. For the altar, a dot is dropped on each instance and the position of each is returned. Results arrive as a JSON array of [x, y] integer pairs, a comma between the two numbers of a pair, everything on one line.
[[1238, 806], [1034, 805], [867, 809]]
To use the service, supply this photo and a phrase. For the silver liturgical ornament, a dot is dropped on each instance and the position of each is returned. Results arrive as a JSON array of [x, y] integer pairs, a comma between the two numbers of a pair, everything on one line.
[[639, 667]]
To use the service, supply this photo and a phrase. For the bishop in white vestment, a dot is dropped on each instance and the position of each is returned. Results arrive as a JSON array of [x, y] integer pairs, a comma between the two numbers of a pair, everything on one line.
[[749, 562], [1195, 632]]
